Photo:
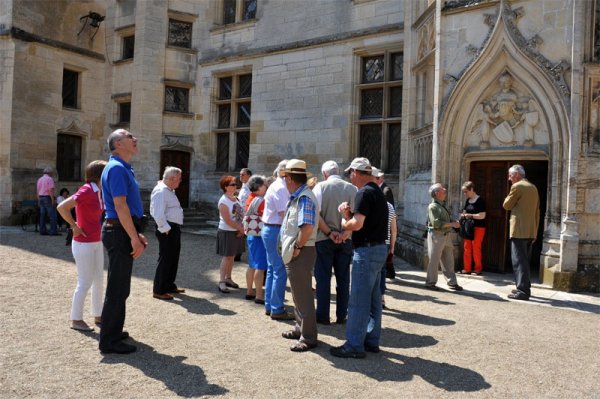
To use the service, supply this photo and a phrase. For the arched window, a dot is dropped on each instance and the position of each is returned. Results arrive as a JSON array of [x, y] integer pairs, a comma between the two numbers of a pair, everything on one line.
[[68, 157]]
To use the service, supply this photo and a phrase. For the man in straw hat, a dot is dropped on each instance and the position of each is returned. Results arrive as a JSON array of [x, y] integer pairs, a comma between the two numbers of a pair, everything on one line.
[[298, 235], [368, 223]]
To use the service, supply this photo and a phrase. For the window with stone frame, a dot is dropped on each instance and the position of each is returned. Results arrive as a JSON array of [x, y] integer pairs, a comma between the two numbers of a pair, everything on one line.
[[233, 116], [177, 99], [180, 33], [234, 11], [124, 112], [70, 89], [128, 47], [68, 157], [380, 109]]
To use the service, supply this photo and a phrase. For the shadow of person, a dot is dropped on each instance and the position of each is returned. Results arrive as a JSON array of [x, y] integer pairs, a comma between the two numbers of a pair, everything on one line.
[[182, 379], [417, 318], [408, 296], [200, 305], [388, 366]]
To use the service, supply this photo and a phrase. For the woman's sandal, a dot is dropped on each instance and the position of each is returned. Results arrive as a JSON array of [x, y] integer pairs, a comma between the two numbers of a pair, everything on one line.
[[230, 283], [291, 334], [223, 288]]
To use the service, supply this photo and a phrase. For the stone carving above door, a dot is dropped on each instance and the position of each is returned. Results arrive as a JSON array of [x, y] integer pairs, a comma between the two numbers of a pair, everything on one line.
[[503, 114]]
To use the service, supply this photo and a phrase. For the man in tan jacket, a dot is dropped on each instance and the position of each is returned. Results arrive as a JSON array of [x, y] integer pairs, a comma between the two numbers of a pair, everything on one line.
[[523, 202]]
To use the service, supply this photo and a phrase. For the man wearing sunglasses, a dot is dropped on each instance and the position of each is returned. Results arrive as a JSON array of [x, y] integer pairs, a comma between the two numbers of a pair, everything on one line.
[[121, 237]]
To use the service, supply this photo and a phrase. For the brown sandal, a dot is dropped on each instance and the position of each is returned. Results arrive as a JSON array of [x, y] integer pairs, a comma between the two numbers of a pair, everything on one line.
[[291, 334], [302, 346]]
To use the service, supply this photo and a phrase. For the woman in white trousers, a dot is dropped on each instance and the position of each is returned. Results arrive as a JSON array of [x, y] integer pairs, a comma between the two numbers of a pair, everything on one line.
[[87, 244]]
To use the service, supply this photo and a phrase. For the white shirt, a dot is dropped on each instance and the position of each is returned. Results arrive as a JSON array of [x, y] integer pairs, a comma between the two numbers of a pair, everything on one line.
[[276, 200], [244, 193], [165, 206], [236, 212]]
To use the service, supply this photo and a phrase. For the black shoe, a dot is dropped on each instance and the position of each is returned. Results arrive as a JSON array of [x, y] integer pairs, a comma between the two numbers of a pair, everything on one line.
[[340, 321], [455, 287], [324, 322], [267, 312], [285, 315], [519, 296], [372, 349], [340, 351], [120, 348], [259, 301], [237, 258], [56, 234], [432, 287]]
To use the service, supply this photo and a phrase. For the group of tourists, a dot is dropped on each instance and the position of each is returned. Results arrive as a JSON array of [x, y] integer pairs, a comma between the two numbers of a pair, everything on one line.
[[293, 230]]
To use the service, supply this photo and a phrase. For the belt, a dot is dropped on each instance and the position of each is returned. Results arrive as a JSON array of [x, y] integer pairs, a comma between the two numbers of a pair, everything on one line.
[[43, 195], [117, 222], [368, 244], [271, 225]]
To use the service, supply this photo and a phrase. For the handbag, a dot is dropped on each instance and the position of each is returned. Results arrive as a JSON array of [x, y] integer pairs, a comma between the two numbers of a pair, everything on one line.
[[252, 222], [467, 229]]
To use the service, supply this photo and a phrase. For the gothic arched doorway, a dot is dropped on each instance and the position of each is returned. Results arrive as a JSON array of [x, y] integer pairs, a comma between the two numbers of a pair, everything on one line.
[[491, 182]]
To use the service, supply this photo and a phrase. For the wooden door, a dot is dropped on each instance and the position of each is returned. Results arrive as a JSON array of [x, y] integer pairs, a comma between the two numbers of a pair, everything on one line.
[[491, 182], [181, 160]]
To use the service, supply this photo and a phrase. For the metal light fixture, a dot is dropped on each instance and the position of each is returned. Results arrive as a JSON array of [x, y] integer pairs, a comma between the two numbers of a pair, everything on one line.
[[94, 19]]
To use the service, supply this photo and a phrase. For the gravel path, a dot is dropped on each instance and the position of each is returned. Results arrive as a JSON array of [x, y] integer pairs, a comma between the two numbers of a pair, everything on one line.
[[434, 344]]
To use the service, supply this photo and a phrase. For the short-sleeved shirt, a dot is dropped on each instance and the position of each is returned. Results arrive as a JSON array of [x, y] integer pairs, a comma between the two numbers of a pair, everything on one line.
[[276, 200], [236, 212], [44, 185], [118, 179], [89, 212], [306, 207], [371, 203], [476, 207]]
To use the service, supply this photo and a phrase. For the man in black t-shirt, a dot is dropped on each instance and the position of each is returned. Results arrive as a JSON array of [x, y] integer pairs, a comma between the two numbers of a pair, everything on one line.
[[368, 223]]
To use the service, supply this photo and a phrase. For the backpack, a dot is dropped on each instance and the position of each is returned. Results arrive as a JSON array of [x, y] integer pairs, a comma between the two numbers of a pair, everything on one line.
[[252, 222]]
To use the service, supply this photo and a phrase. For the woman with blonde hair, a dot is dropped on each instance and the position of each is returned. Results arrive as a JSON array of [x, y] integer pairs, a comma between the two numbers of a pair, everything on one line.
[[87, 244]]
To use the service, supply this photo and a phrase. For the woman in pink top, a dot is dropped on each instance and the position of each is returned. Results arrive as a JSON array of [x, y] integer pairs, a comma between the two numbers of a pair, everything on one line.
[[87, 244]]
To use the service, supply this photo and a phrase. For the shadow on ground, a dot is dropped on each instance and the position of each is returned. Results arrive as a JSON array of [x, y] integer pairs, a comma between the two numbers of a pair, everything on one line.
[[182, 379]]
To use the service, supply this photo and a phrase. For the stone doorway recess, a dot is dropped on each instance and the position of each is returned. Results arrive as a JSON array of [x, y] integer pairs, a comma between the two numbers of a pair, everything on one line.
[[181, 160]]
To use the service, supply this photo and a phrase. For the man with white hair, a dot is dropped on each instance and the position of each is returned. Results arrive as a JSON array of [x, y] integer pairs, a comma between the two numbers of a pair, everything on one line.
[[168, 215], [439, 241], [276, 200], [47, 203], [334, 246], [523, 202]]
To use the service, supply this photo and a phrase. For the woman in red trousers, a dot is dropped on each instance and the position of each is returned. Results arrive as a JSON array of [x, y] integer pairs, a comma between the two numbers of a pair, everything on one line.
[[474, 209]]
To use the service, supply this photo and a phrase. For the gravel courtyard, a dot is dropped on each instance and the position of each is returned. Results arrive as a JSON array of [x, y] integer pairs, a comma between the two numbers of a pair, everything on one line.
[[434, 344]]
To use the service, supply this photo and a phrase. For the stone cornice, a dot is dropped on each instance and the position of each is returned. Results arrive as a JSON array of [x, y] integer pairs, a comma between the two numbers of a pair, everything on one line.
[[329, 39], [20, 34]]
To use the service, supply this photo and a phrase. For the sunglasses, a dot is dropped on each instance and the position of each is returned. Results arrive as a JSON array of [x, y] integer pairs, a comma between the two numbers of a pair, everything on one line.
[[232, 185]]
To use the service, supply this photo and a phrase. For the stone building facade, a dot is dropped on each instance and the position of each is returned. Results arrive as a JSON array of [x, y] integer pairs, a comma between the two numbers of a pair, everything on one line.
[[428, 90]]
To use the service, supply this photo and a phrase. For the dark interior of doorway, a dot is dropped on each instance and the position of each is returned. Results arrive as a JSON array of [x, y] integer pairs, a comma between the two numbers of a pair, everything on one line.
[[491, 182]]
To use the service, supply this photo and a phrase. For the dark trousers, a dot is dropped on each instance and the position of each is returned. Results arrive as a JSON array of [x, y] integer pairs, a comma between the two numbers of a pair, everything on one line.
[[520, 251], [120, 264], [338, 256], [169, 246]]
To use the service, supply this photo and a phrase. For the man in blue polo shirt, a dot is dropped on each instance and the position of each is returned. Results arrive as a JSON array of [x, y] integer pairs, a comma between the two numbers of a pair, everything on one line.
[[121, 237]]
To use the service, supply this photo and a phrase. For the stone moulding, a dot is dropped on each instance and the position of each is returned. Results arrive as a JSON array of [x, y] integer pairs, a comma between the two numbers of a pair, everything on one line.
[[31, 37], [554, 71]]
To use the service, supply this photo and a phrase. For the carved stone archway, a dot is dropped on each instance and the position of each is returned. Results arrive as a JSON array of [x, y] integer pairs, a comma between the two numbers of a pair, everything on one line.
[[533, 77]]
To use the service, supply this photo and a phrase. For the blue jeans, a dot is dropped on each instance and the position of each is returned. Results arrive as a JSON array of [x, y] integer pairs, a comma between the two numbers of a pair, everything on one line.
[[339, 256], [276, 274], [365, 298], [47, 208]]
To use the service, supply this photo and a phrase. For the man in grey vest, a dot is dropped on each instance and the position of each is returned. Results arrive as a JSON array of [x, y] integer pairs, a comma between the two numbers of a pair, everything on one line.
[[334, 246], [298, 234]]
